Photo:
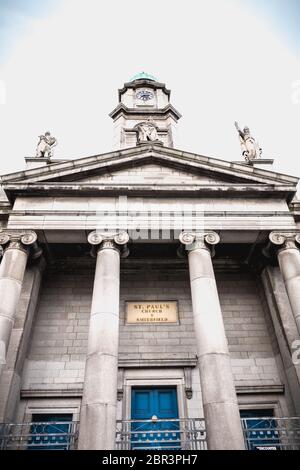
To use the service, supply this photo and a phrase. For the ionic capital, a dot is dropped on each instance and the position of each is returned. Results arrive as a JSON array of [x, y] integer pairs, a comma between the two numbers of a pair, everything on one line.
[[113, 241], [198, 240], [285, 239], [20, 240]]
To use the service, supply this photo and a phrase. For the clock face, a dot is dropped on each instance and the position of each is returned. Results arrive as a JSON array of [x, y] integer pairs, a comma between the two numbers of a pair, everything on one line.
[[145, 95]]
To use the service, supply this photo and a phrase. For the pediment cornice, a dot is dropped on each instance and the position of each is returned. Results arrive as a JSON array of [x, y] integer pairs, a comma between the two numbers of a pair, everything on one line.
[[228, 176]]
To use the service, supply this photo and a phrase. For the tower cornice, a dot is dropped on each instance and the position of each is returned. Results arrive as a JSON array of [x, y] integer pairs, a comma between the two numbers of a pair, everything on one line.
[[146, 83], [135, 112]]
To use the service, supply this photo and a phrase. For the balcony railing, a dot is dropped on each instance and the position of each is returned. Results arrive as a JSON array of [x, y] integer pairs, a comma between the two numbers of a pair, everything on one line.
[[165, 434], [271, 433], [39, 436]]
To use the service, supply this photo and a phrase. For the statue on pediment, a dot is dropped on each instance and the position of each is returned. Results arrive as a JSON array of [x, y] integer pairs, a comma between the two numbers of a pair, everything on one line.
[[45, 145], [147, 131], [250, 147]]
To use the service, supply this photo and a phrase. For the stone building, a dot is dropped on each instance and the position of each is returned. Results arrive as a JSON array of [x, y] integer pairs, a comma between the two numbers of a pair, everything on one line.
[[149, 297]]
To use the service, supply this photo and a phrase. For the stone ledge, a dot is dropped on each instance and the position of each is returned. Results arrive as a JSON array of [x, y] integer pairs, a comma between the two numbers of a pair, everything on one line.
[[259, 389], [154, 142], [57, 393], [158, 363], [36, 162], [77, 392], [15, 189], [256, 161]]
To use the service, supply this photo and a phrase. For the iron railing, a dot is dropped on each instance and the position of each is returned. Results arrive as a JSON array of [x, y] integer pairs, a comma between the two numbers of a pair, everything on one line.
[[60, 435], [271, 433], [165, 434]]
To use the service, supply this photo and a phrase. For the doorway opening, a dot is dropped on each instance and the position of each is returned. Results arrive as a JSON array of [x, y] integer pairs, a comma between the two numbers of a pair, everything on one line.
[[154, 418]]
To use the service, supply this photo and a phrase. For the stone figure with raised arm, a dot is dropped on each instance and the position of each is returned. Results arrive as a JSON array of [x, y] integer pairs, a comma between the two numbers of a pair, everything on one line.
[[147, 131], [45, 145], [250, 148]]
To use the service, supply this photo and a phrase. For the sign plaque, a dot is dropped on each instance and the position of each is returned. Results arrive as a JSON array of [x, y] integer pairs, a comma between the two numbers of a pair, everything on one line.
[[151, 312]]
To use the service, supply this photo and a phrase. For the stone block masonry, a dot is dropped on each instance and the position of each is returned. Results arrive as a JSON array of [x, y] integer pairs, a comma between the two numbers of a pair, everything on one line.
[[56, 357], [57, 352], [248, 334]]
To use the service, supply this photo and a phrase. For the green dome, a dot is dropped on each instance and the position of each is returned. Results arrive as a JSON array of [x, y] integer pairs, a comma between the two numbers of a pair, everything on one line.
[[143, 76]]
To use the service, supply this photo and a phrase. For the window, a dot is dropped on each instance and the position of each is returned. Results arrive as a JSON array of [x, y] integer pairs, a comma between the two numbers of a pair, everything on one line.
[[260, 429], [50, 432]]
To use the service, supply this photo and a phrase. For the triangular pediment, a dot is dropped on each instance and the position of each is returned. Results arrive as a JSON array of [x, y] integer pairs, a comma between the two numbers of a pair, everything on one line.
[[150, 173], [151, 168]]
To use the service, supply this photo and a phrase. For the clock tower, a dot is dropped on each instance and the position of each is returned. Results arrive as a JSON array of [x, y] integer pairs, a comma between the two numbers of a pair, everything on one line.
[[144, 114]]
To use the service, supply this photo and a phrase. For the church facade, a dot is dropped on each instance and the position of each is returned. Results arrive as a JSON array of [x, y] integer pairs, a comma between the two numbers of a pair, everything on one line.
[[149, 297]]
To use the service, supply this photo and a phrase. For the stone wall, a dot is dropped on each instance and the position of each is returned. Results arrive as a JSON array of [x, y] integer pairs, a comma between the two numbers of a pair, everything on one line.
[[157, 341], [150, 174], [56, 355], [249, 333]]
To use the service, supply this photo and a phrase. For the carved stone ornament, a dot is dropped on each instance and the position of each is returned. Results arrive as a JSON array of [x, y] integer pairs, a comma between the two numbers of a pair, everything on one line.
[[188, 387], [115, 241], [189, 238], [251, 149], [29, 238], [4, 238], [96, 238], [108, 243], [121, 238], [45, 145], [212, 238], [285, 238], [120, 391], [18, 237], [147, 131]]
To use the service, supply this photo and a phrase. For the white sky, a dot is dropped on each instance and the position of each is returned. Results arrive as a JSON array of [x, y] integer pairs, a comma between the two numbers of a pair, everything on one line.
[[62, 70]]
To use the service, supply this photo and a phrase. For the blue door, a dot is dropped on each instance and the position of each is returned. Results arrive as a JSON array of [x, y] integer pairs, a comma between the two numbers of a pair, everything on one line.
[[154, 412]]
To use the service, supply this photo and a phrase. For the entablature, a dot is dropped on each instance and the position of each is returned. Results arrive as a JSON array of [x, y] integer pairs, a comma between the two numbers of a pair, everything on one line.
[[14, 190]]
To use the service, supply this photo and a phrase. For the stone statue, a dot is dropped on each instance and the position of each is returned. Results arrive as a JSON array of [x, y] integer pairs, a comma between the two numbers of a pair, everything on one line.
[[147, 131], [45, 145], [250, 148]]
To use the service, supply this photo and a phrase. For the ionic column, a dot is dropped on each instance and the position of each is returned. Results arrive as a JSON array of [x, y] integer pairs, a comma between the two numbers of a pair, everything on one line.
[[99, 401], [221, 412], [12, 268], [288, 256]]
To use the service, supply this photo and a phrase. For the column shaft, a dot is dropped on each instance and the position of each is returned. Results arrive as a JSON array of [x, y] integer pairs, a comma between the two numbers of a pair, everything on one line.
[[10, 381], [12, 271], [221, 412], [98, 411], [289, 262]]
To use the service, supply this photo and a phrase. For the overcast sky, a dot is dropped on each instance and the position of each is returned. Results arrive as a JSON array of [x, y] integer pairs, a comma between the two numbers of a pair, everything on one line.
[[62, 62]]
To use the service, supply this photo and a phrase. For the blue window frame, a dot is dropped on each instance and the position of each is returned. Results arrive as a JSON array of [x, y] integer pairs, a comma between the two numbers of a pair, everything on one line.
[[50, 432], [260, 429]]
